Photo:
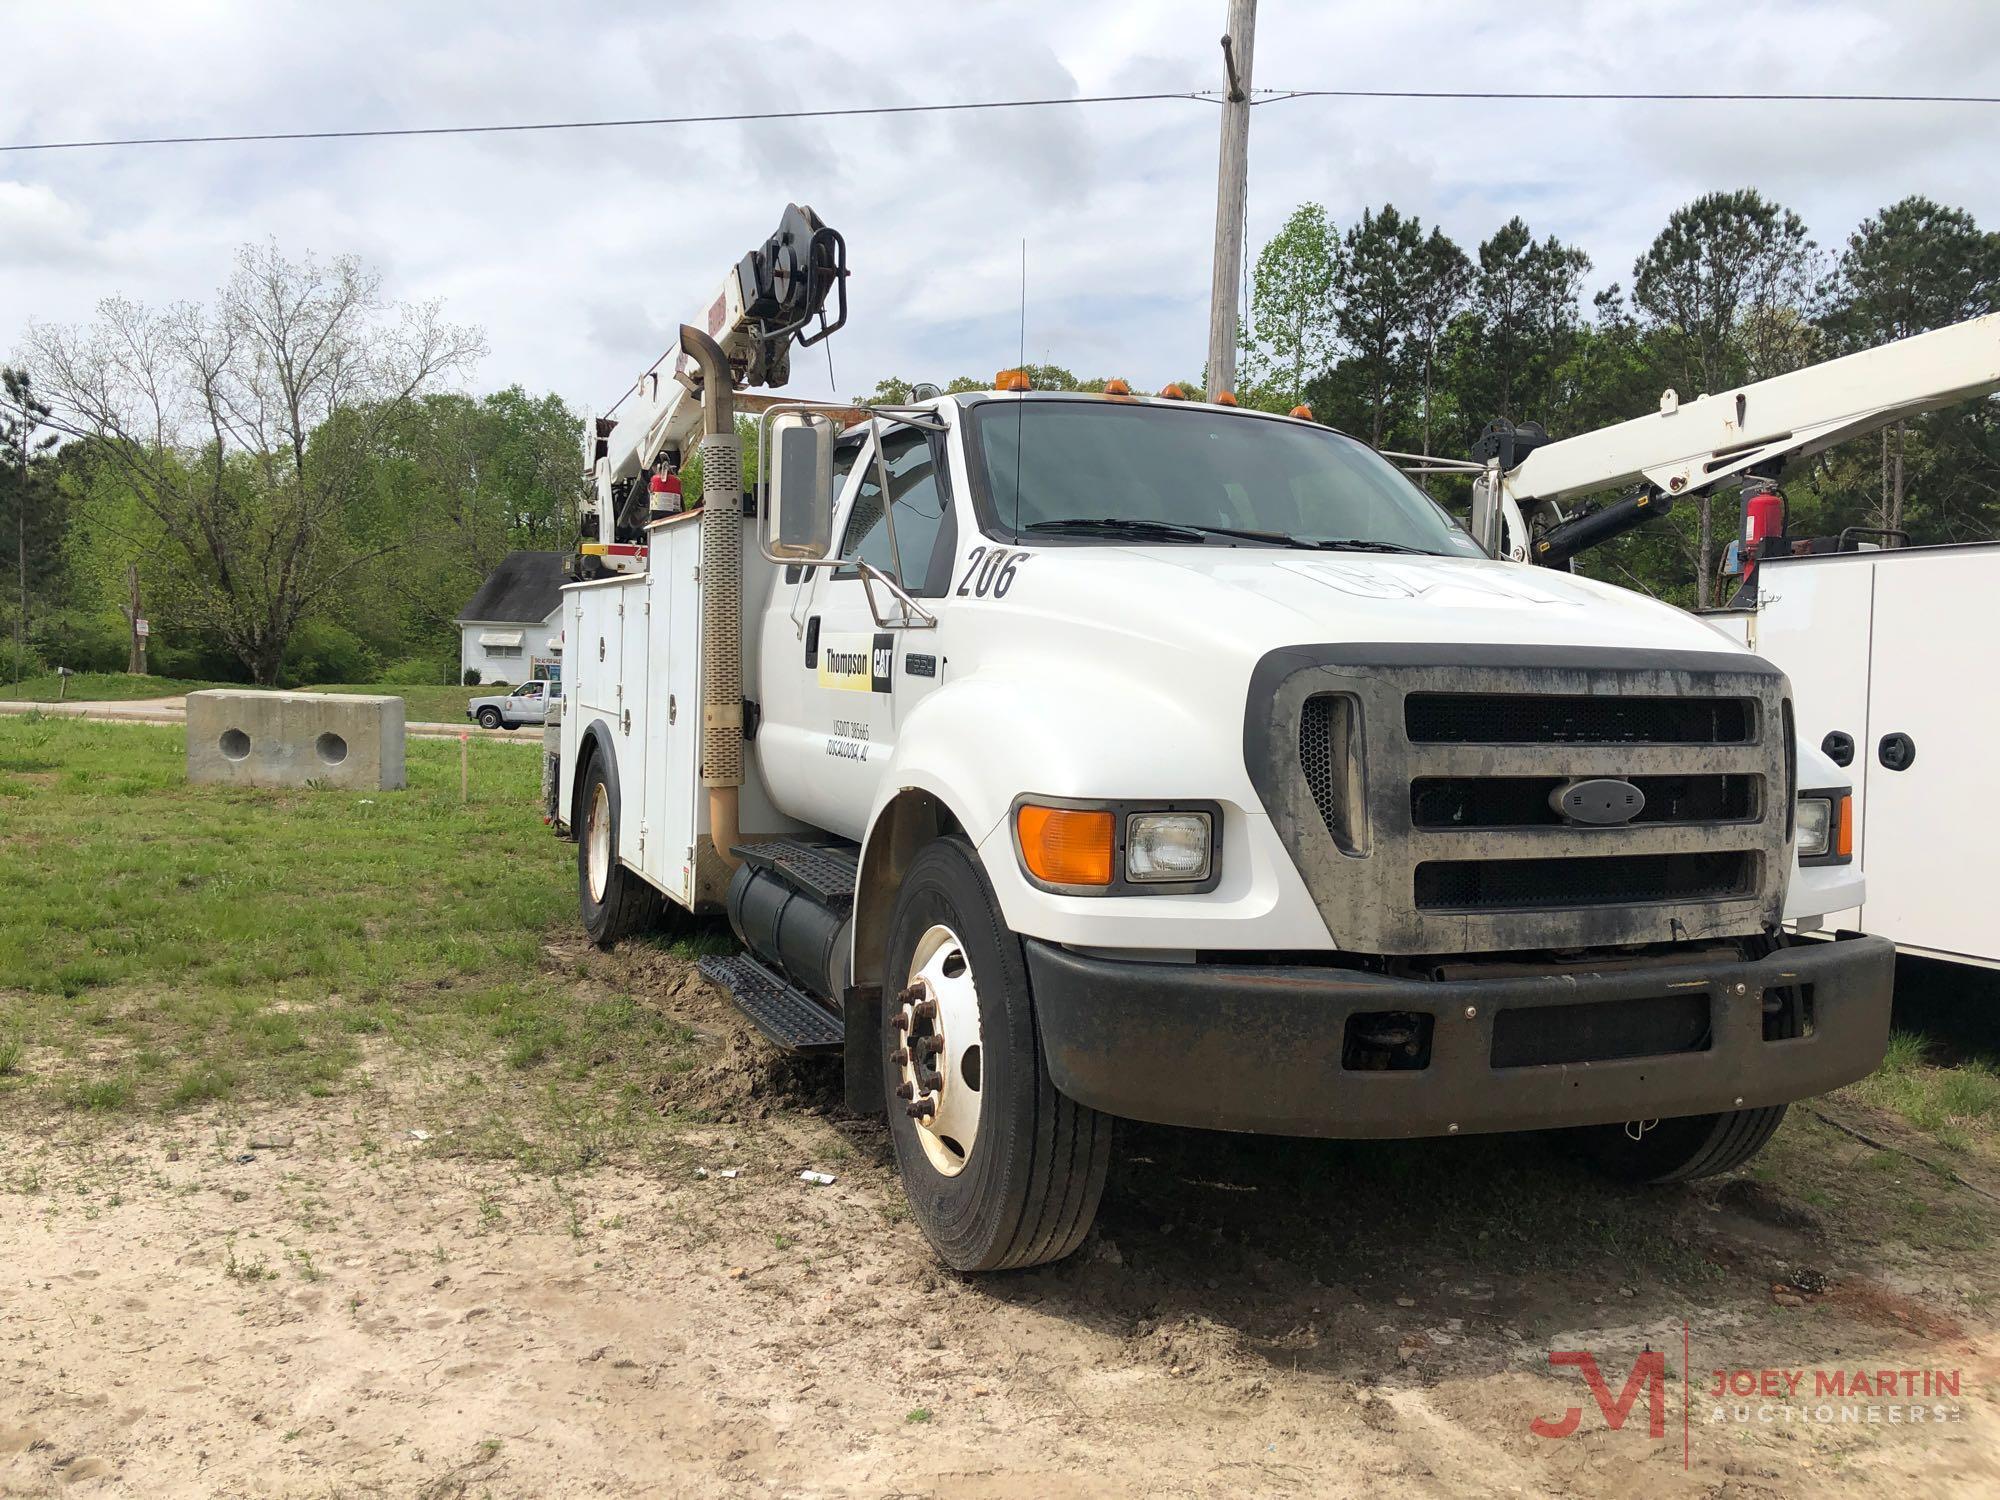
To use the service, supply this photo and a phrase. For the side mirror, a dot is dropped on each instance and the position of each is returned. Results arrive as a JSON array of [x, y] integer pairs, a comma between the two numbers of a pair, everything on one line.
[[798, 493]]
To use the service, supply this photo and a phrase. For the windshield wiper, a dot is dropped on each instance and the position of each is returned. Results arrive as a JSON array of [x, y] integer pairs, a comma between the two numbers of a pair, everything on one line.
[[1138, 527], [1355, 544]]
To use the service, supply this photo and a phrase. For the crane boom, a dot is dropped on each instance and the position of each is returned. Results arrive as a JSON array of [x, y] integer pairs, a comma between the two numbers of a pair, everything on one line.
[[765, 303], [1687, 447]]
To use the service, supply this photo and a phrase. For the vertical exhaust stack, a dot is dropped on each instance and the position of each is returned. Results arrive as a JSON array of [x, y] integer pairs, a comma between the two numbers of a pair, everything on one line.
[[721, 591]]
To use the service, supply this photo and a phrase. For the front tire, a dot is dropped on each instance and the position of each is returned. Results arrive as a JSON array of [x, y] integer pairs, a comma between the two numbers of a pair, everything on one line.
[[489, 718], [1680, 1150], [1001, 1170], [612, 901]]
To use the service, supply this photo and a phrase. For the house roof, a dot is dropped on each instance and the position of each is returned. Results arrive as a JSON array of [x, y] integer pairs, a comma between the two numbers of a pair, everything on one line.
[[526, 587]]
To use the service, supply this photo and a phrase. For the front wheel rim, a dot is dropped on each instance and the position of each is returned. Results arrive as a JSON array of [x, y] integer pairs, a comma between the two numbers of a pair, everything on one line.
[[597, 841], [940, 1059]]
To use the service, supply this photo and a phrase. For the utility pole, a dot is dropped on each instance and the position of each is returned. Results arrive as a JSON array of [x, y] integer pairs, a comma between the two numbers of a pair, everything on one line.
[[1232, 173], [137, 665]]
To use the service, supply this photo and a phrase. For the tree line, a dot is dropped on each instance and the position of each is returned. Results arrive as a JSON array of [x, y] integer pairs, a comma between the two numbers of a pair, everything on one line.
[[1393, 332], [307, 498], [303, 494]]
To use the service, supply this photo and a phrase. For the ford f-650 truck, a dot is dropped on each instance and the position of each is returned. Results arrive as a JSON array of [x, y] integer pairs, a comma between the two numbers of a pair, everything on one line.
[[1064, 757]]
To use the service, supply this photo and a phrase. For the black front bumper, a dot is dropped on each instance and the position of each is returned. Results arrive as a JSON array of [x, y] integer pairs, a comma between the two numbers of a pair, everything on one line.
[[1260, 1047]]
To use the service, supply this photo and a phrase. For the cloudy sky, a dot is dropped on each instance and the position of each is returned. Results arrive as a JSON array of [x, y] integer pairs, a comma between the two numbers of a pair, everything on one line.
[[578, 252]]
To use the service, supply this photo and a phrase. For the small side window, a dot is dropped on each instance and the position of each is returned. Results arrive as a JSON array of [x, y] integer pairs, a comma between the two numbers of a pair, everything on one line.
[[922, 513]]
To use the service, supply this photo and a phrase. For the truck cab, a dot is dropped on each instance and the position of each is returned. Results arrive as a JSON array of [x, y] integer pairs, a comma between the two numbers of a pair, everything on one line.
[[1108, 756]]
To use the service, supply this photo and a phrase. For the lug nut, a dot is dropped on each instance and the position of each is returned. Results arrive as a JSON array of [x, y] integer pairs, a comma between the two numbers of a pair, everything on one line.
[[901, 1021], [900, 1056], [924, 1010], [922, 1109], [930, 1046], [912, 993], [933, 1081], [906, 1090]]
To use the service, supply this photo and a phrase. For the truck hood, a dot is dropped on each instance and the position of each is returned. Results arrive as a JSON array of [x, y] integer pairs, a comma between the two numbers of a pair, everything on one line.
[[1259, 599]]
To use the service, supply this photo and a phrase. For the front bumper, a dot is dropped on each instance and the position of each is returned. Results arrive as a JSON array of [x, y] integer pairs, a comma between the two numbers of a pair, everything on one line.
[[1260, 1047]]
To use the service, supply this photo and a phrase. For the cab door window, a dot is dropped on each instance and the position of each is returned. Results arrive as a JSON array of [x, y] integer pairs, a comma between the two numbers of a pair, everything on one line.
[[926, 535]]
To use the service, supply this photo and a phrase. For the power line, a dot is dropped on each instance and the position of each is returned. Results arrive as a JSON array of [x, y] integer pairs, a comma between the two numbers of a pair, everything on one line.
[[1202, 96], [1280, 96]]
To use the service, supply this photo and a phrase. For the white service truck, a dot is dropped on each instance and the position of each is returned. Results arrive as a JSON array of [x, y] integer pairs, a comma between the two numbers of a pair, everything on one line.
[[1064, 757]]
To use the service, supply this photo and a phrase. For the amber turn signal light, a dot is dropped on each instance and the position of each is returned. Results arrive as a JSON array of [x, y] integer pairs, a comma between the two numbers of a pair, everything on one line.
[[1843, 841], [1065, 845]]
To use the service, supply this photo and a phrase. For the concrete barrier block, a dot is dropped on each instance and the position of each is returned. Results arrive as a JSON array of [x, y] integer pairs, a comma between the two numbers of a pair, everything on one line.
[[289, 739]]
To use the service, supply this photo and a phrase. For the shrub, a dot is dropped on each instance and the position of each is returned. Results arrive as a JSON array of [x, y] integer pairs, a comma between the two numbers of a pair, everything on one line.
[[321, 651], [471, 678], [425, 669]]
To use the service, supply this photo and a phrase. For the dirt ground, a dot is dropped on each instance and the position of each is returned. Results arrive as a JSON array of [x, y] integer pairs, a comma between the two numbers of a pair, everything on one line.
[[350, 1309]]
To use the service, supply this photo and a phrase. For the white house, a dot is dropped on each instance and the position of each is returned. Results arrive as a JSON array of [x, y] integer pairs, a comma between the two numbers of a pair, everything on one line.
[[507, 632]]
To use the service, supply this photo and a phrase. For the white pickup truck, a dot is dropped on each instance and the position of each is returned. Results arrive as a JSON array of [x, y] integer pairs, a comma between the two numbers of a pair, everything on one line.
[[1067, 757]]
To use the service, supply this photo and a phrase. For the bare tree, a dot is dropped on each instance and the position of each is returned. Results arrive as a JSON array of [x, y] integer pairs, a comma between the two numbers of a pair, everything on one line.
[[243, 428]]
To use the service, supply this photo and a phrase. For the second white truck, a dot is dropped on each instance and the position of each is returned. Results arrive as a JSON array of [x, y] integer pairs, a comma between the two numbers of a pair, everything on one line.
[[1060, 758]]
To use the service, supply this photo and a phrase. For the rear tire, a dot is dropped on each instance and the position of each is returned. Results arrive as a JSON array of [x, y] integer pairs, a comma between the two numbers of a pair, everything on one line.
[[1022, 1186], [612, 901], [1683, 1149]]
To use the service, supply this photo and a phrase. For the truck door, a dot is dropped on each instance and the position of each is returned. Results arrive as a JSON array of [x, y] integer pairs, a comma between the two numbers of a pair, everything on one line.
[[849, 663], [1930, 822]]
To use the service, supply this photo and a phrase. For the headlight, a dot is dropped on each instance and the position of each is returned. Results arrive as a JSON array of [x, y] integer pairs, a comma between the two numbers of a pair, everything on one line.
[[1167, 846], [1076, 847], [1826, 826], [1815, 826]]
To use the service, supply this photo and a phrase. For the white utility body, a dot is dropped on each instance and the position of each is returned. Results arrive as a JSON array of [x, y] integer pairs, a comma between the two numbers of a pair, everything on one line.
[[1893, 654], [1059, 757]]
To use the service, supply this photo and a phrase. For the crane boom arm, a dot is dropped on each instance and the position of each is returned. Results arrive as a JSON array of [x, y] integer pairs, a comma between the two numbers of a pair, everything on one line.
[[1687, 446], [767, 301]]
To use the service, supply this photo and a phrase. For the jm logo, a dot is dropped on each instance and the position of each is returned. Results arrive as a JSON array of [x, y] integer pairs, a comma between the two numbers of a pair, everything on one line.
[[1649, 1373]]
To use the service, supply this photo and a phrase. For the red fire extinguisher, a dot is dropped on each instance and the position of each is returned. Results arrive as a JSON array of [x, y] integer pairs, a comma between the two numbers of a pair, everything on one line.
[[1763, 516]]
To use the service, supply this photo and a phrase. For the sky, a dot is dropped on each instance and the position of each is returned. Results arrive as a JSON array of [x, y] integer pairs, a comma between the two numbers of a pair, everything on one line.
[[579, 252]]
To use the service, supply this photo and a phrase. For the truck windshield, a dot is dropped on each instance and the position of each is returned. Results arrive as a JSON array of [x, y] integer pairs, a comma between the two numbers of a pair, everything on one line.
[[1198, 475]]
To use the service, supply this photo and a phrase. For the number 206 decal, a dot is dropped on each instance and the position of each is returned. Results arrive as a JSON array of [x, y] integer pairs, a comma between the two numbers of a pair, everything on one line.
[[990, 570]]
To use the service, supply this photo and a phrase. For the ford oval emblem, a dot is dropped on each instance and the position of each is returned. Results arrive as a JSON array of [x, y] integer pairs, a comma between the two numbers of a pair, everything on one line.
[[1600, 802]]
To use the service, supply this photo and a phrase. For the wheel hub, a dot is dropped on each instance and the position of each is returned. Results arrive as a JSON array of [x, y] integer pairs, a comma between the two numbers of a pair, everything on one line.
[[597, 840], [940, 1059]]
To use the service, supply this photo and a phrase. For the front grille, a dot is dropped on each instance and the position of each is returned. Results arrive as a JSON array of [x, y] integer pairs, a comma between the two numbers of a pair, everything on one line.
[[1316, 752], [1412, 787], [1538, 719], [1446, 802], [1534, 1036], [1597, 880]]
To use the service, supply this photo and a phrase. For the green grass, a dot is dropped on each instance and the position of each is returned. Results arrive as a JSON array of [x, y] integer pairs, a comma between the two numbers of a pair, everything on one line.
[[1959, 1105], [100, 687], [423, 702], [166, 946]]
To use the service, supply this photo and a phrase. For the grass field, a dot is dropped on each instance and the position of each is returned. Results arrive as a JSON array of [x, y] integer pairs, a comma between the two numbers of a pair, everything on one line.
[[163, 944], [428, 703]]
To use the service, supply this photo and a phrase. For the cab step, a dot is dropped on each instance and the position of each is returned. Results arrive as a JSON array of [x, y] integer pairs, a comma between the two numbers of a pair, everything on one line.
[[825, 872], [790, 1017]]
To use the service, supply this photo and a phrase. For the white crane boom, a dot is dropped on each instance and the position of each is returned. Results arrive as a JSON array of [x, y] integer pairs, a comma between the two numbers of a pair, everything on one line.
[[1687, 447], [764, 303]]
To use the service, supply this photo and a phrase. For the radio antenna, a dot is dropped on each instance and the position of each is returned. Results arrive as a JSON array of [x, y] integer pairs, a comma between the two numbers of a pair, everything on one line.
[[1021, 402]]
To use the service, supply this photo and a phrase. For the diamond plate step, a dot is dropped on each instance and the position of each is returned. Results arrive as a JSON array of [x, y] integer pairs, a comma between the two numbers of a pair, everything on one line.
[[791, 1018], [826, 872]]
